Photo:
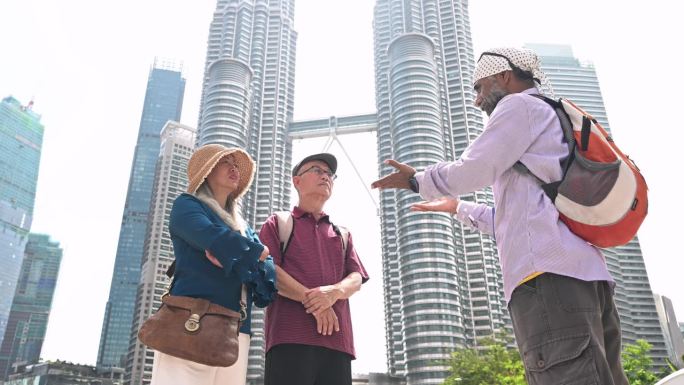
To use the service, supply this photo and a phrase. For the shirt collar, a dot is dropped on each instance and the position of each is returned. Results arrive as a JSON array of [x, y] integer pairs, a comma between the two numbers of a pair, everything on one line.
[[299, 213], [530, 91]]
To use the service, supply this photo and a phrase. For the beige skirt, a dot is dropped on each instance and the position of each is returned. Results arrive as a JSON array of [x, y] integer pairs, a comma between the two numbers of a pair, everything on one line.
[[169, 370]]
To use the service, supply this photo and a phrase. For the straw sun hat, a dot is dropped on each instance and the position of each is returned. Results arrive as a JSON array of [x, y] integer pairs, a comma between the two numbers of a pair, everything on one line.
[[204, 159]]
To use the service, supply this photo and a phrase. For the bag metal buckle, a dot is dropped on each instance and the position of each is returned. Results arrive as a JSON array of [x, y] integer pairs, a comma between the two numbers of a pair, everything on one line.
[[193, 323]]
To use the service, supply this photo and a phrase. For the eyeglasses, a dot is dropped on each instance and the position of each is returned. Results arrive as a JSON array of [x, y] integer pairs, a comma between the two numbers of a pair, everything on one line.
[[319, 171]]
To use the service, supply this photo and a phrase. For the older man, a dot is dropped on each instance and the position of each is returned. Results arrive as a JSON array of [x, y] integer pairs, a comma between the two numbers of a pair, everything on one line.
[[558, 288], [309, 338]]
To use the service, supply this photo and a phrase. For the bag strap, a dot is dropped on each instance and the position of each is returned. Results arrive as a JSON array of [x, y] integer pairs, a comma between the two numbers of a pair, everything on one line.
[[551, 189], [171, 269], [170, 272], [286, 231], [343, 233], [564, 118], [345, 240]]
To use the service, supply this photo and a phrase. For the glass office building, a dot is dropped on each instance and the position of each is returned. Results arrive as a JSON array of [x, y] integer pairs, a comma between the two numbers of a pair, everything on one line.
[[177, 143], [21, 140], [163, 102], [32, 302]]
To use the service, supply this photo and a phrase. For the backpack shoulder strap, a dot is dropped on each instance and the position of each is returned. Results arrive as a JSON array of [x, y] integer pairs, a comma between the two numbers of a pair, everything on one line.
[[285, 230], [343, 232], [551, 189], [565, 123], [345, 240]]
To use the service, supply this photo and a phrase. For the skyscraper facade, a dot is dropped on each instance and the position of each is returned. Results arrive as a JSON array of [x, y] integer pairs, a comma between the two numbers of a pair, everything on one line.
[[170, 180], [673, 336], [578, 82], [32, 302], [442, 284], [163, 102], [248, 101], [21, 140]]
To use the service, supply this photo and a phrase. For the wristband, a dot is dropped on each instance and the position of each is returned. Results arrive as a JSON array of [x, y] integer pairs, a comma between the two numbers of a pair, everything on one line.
[[413, 184]]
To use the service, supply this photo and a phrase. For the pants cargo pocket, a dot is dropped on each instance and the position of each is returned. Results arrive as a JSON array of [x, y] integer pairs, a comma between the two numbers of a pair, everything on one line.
[[574, 295], [564, 360]]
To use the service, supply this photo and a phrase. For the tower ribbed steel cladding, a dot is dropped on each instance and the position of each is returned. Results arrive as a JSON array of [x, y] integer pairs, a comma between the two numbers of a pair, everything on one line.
[[427, 267]]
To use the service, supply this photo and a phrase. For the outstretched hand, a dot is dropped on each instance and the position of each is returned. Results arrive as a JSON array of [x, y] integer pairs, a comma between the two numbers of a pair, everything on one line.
[[398, 179], [444, 204]]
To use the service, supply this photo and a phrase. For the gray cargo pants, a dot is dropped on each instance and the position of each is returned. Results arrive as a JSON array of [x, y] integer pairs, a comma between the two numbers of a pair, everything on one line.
[[568, 331]]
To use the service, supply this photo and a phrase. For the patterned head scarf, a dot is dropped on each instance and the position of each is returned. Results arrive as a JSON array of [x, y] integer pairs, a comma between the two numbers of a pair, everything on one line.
[[498, 60]]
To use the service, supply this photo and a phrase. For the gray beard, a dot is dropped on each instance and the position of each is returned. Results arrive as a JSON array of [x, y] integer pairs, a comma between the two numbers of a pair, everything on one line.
[[490, 101]]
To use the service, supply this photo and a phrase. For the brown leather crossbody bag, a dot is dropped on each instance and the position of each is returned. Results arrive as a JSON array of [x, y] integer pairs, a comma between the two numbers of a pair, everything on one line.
[[195, 329]]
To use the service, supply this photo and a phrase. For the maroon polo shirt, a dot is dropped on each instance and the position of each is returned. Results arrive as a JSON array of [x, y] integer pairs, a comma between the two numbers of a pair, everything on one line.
[[314, 258]]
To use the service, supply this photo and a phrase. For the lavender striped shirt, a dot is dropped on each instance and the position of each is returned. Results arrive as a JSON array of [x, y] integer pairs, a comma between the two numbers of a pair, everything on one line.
[[313, 258], [529, 235]]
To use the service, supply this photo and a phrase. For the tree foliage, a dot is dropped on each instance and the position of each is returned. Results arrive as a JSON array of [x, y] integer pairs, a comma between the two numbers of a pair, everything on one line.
[[492, 363], [637, 363]]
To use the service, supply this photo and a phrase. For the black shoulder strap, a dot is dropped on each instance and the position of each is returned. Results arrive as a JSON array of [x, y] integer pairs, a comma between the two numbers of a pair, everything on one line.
[[170, 273], [286, 224], [343, 233], [551, 189], [171, 270], [563, 117]]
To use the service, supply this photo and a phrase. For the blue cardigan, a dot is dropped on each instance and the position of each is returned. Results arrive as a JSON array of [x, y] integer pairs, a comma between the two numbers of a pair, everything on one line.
[[194, 228]]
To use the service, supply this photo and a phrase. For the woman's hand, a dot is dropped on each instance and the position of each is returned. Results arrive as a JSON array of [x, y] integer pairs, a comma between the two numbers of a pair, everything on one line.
[[264, 254], [213, 259]]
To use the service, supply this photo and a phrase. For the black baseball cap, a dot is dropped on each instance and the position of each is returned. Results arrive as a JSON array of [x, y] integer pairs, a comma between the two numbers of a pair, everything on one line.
[[324, 157]]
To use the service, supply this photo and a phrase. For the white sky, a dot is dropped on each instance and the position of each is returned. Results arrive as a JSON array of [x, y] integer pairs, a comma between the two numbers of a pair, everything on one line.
[[85, 63]]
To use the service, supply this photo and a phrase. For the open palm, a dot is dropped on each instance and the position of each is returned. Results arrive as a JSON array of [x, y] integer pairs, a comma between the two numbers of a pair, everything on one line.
[[443, 204]]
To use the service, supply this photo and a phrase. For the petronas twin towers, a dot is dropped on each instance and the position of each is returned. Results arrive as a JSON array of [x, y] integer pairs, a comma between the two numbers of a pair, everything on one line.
[[442, 285]]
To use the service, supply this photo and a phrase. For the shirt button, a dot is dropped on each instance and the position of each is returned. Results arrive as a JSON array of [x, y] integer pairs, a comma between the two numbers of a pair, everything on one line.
[[540, 363]]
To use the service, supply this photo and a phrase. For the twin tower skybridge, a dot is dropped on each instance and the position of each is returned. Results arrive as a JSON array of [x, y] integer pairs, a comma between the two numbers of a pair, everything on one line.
[[331, 128]]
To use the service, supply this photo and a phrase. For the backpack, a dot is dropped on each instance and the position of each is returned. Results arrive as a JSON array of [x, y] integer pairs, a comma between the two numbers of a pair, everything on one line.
[[602, 194], [286, 227]]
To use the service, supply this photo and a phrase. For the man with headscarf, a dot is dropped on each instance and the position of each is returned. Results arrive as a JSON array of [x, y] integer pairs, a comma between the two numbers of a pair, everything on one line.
[[558, 288]]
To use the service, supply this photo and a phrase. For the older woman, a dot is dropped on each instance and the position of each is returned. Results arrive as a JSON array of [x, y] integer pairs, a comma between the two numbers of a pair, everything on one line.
[[218, 257]]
